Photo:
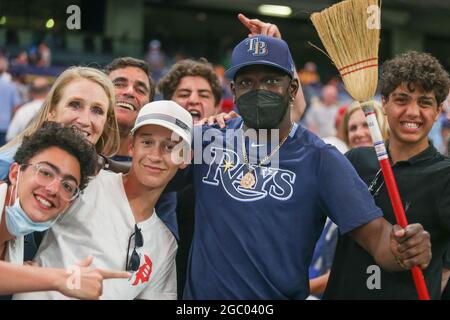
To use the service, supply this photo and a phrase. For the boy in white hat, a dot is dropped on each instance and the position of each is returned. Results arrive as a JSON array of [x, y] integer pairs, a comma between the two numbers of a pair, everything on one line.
[[115, 220]]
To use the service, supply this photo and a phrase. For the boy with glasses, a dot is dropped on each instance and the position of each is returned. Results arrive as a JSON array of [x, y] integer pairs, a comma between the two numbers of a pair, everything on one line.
[[50, 168], [115, 220]]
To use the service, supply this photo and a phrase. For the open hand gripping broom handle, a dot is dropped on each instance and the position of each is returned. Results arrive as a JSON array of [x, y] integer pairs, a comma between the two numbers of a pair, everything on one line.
[[391, 186]]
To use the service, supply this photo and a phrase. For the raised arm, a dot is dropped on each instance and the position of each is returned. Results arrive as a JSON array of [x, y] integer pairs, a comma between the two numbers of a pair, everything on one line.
[[255, 27]]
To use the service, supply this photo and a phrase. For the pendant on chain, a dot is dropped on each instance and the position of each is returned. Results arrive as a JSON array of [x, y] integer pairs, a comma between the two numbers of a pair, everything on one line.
[[248, 180]]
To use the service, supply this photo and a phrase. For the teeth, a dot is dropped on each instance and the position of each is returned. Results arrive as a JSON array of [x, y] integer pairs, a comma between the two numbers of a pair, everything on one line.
[[43, 202], [411, 125], [195, 113], [126, 105]]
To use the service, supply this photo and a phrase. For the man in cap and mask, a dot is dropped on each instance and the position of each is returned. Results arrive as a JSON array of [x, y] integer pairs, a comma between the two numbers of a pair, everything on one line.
[[265, 186]]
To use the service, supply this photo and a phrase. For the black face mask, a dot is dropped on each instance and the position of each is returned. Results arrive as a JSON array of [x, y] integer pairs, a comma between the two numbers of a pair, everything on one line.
[[262, 109]]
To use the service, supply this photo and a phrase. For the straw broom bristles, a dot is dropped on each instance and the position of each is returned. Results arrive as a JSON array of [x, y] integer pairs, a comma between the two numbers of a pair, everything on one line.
[[351, 44]]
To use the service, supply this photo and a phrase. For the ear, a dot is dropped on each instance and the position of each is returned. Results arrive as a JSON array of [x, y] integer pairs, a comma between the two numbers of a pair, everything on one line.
[[383, 105], [130, 145], [293, 88], [233, 90], [51, 115], [13, 173], [439, 110]]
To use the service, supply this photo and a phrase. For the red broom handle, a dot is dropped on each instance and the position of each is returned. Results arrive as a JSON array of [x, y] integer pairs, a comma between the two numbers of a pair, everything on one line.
[[391, 186]]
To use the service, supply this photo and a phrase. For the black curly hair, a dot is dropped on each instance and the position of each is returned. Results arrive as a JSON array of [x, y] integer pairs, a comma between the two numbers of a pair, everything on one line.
[[418, 69], [69, 139]]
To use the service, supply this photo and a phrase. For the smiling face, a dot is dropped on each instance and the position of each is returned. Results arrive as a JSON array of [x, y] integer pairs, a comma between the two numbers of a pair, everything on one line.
[[83, 104], [411, 113], [132, 90], [358, 131], [151, 150], [194, 93], [43, 203]]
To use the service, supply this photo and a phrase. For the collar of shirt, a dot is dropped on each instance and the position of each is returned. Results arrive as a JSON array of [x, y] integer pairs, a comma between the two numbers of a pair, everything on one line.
[[425, 155]]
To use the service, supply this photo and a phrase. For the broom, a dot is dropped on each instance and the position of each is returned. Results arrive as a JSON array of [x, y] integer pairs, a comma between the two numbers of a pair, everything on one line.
[[350, 32]]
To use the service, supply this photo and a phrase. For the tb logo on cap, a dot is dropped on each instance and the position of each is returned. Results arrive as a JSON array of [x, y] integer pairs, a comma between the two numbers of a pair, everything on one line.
[[257, 47]]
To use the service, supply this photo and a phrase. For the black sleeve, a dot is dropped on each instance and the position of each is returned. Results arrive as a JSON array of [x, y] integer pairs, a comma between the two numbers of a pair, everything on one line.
[[447, 258], [182, 179]]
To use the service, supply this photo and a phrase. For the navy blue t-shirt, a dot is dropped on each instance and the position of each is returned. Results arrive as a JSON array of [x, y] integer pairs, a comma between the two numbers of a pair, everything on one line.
[[257, 243]]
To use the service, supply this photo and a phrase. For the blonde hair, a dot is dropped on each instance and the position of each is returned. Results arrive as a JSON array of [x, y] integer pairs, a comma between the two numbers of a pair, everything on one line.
[[382, 122], [109, 142]]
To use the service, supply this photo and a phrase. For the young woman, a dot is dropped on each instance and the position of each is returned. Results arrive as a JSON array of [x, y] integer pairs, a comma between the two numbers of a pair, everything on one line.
[[82, 97]]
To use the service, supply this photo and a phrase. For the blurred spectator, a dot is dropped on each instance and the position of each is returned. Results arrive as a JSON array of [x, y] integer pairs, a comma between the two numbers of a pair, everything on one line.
[[33, 56], [343, 95], [21, 59], [310, 77], [22, 118], [44, 55], [338, 140], [227, 103], [9, 99], [19, 79], [4, 75], [436, 133], [310, 80], [156, 59], [320, 118], [445, 133]]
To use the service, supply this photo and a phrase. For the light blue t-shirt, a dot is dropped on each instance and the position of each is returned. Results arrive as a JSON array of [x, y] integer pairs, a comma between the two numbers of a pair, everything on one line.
[[6, 159], [9, 98]]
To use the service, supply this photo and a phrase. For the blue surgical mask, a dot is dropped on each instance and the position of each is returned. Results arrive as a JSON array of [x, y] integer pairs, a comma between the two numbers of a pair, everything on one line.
[[19, 224], [17, 221]]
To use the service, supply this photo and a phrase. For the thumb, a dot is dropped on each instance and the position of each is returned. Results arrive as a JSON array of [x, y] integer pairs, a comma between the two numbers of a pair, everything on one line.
[[398, 231], [86, 262]]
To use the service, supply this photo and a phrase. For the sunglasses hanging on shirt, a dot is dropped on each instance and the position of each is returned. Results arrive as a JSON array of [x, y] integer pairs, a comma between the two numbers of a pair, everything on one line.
[[132, 264]]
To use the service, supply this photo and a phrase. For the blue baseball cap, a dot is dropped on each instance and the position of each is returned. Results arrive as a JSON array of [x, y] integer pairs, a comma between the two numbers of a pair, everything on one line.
[[263, 50]]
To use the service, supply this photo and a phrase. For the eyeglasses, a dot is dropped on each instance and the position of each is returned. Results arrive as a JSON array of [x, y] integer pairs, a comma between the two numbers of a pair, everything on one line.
[[133, 263], [45, 175], [373, 189]]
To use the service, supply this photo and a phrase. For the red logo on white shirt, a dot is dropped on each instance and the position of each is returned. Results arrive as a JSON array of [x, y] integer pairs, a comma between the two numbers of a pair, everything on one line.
[[144, 272]]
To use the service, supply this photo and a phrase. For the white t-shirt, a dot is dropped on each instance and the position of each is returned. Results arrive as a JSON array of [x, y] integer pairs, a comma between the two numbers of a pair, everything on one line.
[[14, 247], [100, 224]]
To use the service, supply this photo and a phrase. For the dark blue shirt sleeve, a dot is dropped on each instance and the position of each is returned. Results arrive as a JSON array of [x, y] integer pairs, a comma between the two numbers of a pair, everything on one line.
[[343, 195]]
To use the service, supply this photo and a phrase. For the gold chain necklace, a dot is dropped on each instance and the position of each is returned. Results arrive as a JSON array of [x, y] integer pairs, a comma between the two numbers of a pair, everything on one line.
[[249, 180]]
